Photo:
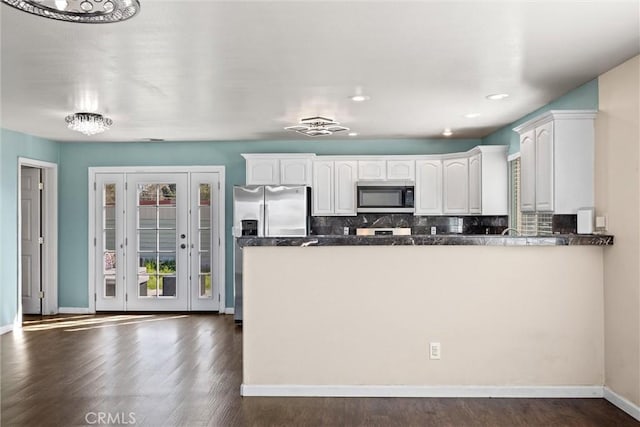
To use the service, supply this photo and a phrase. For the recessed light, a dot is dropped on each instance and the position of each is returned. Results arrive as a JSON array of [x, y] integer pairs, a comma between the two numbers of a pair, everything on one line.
[[497, 96], [447, 132], [353, 133], [472, 115], [359, 98]]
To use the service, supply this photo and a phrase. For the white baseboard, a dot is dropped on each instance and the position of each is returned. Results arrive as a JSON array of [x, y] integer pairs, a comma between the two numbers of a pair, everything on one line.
[[6, 329], [622, 403], [229, 310], [420, 391], [73, 310]]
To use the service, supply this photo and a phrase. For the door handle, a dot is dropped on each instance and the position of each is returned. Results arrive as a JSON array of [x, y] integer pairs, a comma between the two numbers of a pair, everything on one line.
[[183, 236], [183, 246]]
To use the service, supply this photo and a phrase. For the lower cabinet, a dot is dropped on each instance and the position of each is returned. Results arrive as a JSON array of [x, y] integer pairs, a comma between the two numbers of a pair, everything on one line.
[[334, 187]]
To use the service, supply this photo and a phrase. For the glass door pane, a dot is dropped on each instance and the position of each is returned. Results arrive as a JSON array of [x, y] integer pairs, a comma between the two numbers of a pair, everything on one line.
[[158, 228], [109, 224], [204, 197]]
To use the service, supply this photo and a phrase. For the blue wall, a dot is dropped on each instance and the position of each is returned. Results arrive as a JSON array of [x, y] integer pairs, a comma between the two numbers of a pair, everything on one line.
[[584, 97], [12, 146], [73, 182]]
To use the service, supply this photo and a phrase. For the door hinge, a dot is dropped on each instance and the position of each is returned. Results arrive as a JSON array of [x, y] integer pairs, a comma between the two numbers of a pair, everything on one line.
[[95, 241], [41, 295], [126, 297], [41, 240], [41, 186], [95, 297], [218, 185], [218, 297], [218, 241], [95, 186], [125, 186]]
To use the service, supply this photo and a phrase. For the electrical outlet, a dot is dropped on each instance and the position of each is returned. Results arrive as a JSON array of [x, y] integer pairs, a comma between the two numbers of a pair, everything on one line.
[[433, 230], [434, 350]]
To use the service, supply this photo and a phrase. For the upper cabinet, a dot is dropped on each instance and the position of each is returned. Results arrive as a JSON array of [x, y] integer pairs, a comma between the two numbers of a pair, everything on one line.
[[278, 169], [387, 170], [557, 158], [475, 184], [456, 186], [428, 187], [334, 187]]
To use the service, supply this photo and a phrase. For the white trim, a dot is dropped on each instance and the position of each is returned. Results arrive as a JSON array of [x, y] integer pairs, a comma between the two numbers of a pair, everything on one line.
[[6, 329], [514, 156], [49, 220], [421, 391], [228, 310], [220, 170], [555, 115], [622, 403], [74, 310]]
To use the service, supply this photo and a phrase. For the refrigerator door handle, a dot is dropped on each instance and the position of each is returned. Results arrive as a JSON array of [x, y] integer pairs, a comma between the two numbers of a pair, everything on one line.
[[266, 220]]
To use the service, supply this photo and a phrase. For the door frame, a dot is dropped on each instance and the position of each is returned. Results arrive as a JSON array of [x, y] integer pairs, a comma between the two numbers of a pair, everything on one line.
[[49, 224], [221, 273]]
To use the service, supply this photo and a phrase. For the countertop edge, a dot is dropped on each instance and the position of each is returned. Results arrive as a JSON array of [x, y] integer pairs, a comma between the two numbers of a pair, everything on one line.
[[430, 240]]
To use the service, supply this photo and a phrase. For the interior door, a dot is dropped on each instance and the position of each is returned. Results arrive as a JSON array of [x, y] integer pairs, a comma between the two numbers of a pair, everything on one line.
[[109, 242], [157, 242], [31, 258]]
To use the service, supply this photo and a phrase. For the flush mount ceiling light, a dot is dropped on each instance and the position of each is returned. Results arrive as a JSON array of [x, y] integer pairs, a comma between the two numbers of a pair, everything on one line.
[[88, 123], [82, 11], [472, 115], [497, 96], [359, 98], [447, 132], [317, 126]]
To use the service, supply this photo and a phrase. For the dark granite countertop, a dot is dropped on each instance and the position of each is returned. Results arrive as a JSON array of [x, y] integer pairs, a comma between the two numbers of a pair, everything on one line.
[[426, 240]]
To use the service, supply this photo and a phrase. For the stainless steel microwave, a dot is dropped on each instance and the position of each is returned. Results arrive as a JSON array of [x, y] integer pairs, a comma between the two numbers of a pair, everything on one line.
[[386, 196]]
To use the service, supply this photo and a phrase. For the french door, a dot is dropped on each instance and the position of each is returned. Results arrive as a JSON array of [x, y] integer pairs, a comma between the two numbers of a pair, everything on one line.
[[156, 241]]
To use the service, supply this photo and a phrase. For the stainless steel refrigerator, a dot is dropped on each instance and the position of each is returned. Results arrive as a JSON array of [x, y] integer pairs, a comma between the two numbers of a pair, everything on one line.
[[279, 210]]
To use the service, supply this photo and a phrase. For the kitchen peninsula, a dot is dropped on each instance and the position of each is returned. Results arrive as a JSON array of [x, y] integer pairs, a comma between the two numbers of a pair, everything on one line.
[[355, 316]]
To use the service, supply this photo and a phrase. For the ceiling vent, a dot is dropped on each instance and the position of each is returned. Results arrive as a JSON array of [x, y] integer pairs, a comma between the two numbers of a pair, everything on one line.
[[317, 126]]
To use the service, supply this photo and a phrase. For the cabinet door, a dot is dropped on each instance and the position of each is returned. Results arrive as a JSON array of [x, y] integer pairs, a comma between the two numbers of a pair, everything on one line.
[[346, 174], [322, 188], [528, 171], [428, 187], [456, 186], [475, 184], [295, 171], [263, 172], [372, 169], [544, 167], [401, 169]]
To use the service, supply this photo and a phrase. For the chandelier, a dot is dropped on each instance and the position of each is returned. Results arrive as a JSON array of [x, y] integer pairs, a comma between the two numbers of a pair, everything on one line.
[[88, 123], [317, 126], [83, 11]]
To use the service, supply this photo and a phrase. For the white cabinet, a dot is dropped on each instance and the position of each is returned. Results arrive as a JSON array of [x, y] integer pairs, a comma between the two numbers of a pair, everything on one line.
[[456, 186], [322, 188], [428, 187], [278, 169], [401, 170], [475, 184], [557, 158], [334, 187], [375, 170], [528, 171], [345, 178], [261, 171]]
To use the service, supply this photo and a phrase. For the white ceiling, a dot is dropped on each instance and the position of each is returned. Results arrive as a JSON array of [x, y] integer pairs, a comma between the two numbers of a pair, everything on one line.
[[238, 70]]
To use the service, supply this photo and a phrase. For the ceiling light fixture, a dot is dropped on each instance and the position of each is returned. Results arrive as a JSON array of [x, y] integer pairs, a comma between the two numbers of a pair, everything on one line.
[[88, 123], [360, 98], [497, 96], [317, 126], [81, 11], [447, 132], [353, 133], [472, 115]]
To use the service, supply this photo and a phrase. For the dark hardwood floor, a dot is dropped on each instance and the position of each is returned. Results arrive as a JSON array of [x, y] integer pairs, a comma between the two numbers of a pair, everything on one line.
[[186, 370]]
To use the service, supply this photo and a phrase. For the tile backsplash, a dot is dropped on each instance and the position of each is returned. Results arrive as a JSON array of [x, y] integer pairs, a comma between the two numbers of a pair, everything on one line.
[[334, 225]]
